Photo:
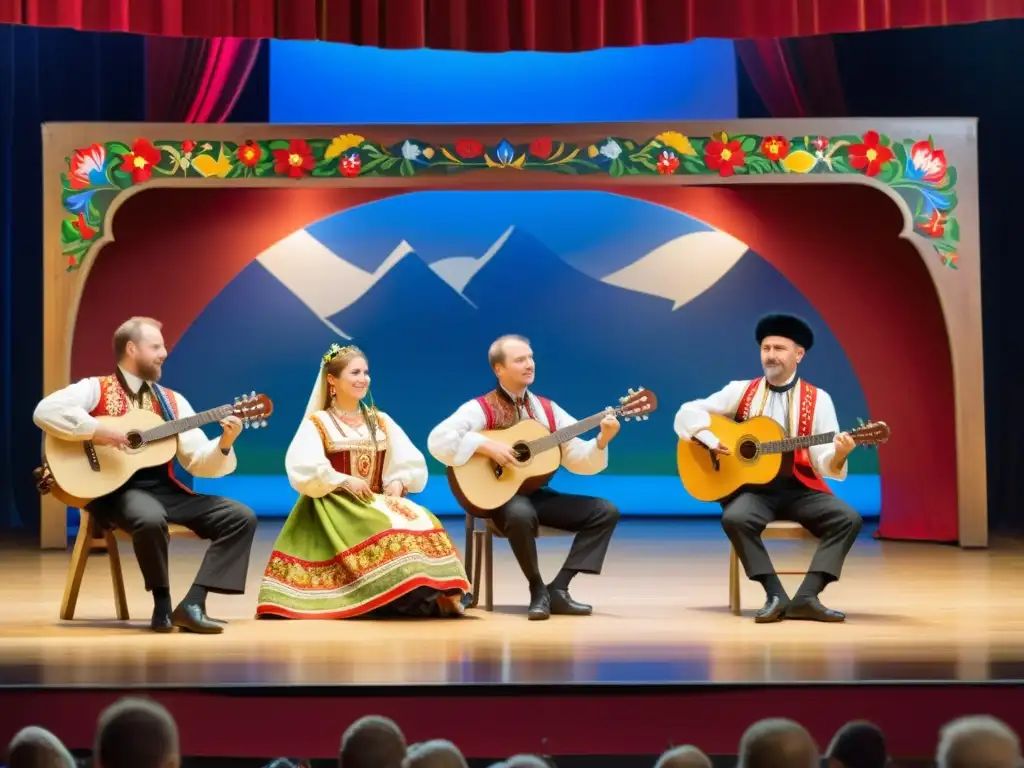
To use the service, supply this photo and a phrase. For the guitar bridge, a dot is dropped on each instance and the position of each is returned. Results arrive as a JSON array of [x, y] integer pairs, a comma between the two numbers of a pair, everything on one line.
[[90, 455]]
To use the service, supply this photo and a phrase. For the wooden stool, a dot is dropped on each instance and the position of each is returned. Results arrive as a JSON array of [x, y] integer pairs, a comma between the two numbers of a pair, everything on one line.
[[480, 547], [92, 536], [781, 529]]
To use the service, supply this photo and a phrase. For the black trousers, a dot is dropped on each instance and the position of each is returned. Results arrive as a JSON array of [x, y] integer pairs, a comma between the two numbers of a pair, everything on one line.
[[834, 522], [592, 519], [144, 508]]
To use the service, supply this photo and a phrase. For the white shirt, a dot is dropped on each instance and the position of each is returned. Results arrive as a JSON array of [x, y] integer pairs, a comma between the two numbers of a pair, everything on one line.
[[455, 440], [693, 417], [310, 471], [65, 414]]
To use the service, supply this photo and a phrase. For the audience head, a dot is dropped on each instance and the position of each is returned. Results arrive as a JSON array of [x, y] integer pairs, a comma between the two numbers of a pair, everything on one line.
[[34, 747], [136, 733], [437, 753], [777, 743], [372, 742], [858, 744], [524, 761], [978, 742], [683, 757]]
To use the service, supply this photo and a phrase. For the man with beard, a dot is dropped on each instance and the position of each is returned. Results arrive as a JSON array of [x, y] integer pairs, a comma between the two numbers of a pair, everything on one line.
[[457, 438], [152, 497], [799, 493]]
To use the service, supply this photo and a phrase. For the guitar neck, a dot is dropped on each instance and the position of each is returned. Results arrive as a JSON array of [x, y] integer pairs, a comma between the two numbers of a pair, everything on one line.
[[565, 434], [171, 428], [796, 443]]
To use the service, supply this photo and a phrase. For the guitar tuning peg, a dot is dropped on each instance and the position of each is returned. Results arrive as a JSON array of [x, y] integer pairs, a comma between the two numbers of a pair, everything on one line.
[[630, 390], [645, 417], [622, 400], [625, 418]]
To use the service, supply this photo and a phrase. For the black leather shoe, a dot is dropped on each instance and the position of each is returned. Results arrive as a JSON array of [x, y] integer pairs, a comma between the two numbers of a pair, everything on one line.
[[811, 609], [161, 622], [773, 610], [562, 604], [540, 606], [193, 618]]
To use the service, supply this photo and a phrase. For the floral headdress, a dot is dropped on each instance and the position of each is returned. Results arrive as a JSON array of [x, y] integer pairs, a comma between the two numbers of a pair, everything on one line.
[[333, 351]]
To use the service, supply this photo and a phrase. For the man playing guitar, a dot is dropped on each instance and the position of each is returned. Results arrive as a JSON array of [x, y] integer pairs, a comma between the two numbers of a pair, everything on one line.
[[153, 497], [799, 493], [455, 440]]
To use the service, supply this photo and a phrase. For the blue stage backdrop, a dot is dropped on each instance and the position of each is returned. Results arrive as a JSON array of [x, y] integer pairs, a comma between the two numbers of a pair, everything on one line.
[[313, 82], [614, 293]]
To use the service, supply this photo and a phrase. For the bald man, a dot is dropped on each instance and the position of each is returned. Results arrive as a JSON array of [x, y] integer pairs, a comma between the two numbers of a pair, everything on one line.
[[777, 743], [457, 438], [35, 747], [136, 733], [372, 742], [979, 741], [686, 756], [437, 753]]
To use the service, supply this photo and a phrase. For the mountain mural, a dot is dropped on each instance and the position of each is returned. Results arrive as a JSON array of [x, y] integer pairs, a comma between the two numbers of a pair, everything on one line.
[[676, 317]]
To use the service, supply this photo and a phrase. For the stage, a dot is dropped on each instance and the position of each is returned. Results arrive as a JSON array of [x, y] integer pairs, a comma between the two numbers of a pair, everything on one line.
[[917, 613]]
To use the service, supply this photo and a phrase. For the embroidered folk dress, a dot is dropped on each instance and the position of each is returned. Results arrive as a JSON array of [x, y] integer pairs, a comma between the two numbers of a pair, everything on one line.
[[339, 557]]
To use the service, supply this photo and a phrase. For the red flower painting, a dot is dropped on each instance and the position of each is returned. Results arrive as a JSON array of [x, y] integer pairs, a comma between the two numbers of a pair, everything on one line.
[[869, 156], [296, 161], [140, 161]]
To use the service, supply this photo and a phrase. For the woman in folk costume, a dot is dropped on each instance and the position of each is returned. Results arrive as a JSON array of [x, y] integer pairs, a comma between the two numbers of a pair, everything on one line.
[[353, 545]]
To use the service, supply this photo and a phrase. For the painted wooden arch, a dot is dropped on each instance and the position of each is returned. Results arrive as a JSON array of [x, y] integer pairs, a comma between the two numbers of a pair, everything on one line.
[[927, 167]]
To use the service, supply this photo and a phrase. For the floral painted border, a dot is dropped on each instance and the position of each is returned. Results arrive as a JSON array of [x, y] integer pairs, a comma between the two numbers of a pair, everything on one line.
[[914, 168]]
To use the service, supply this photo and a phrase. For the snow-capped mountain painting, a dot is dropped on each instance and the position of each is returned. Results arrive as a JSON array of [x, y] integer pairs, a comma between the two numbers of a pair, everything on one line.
[[613, 292]]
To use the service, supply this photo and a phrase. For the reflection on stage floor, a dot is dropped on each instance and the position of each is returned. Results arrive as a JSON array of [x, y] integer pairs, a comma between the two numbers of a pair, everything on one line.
[[916, 612]]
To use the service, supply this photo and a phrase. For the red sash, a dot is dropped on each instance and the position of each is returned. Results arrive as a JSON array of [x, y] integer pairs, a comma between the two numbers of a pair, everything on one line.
[[803, 469], [501, 412]]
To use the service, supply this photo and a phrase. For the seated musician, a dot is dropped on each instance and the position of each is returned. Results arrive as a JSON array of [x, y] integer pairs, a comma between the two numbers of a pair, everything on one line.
[[799, 493], [153, 497], [455, 440]]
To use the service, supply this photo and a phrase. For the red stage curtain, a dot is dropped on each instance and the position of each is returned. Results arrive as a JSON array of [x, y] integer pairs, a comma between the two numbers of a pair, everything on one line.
[[796, 77], [196, 80], [500, 25]]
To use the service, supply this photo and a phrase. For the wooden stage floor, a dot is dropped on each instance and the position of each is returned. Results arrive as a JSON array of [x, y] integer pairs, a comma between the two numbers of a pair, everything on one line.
[[915, 612]]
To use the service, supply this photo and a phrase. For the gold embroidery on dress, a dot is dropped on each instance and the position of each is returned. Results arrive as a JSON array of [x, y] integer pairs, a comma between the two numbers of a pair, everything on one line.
[[434, 545]]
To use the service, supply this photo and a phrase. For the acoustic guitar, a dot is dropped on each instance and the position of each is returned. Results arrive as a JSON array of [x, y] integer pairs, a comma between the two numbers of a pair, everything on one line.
[[76, 471], [481, 485], [757, 446]]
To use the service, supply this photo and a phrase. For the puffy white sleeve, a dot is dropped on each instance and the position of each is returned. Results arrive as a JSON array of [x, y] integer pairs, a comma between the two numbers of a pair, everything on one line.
[[404, 462], [579, 456], [693, 418], [455, 440], [199, 455], [65, 413], [825, 420], [309, 470]]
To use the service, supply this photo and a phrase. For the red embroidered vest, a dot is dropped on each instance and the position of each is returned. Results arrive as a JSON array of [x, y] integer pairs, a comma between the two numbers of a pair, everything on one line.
[[803, 469], [114, 401], [502, 413], [360, 462]]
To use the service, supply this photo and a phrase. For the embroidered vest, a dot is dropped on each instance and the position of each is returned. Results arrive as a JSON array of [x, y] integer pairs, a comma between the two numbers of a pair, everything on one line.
[[502, 413], [358, 461], [114, 401], [803, 470]]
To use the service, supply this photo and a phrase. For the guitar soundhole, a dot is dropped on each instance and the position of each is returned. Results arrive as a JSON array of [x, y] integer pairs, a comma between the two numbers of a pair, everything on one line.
[[521, 452], [134, 440], [748, 450]]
